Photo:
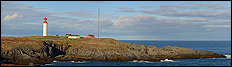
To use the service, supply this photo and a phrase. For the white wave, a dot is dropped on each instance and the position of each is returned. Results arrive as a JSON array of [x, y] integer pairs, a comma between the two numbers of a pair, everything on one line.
[[48, 64], [78, 61], [147, 62], [141, 61], [72, 61], [55, 61], [135, 61], [166, 60], [228, 56], [217, 58]]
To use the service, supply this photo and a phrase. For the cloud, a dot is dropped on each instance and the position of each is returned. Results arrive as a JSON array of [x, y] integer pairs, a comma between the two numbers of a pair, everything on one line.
[[140, 24], [158, 11], [212, 6], [125, 9], [146, 6], [218, 26], [203, 10], [187, 2], [191, 14], [202, 6], [180, 7], [130, 21], [32, 18], [11, 17], [92, 1], [57, 22], [105, 22], [191, 17], [84, 14], [206, 14], [30, 14]]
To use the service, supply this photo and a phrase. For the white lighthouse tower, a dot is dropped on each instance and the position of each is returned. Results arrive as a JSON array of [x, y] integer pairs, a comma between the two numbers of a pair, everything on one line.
[[45, 27]]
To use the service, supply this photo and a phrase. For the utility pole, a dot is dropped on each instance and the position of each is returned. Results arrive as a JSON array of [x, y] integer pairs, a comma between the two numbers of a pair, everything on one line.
[[98, 22]]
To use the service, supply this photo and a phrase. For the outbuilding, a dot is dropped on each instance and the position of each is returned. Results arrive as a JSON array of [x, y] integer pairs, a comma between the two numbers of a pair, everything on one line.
[[68, 34], [74, 36], [90, 36]]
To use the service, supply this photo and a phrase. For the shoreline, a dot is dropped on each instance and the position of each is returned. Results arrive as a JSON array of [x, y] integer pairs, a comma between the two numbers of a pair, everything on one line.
[[14, 65]]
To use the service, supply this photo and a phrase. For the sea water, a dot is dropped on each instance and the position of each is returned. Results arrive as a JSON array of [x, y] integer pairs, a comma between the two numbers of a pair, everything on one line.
[[220, 47]]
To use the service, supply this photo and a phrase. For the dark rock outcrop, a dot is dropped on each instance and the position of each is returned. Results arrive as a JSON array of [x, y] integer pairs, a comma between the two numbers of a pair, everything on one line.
[[181, 53]]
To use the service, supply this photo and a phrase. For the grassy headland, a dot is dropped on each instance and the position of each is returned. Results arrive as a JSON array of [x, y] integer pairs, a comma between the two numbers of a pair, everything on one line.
[[45, 49]]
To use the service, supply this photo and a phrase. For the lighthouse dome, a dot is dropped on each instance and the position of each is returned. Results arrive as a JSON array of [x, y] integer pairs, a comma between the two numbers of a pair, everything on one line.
[[45, 18]]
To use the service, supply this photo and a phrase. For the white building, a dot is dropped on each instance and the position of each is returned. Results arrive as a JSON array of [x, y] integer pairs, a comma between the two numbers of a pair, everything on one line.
[[45, 27], [74, 36]]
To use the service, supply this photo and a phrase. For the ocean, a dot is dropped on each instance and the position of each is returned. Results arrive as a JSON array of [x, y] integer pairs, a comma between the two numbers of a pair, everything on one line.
[[221, 47]]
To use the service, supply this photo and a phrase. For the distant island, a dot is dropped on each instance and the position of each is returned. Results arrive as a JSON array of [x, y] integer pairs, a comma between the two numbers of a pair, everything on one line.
[[37, 50]]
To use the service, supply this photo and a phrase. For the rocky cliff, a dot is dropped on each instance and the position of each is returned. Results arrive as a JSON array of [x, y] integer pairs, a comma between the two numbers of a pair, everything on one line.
[[41, 50]]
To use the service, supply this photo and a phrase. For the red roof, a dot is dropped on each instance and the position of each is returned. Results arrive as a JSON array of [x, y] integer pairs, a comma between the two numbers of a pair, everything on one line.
[[45, 18], [44, 22], [74, 35], [90, 35]]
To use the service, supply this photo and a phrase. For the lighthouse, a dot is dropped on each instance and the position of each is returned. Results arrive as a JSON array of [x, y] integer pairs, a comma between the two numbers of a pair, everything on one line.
[[45, 27]]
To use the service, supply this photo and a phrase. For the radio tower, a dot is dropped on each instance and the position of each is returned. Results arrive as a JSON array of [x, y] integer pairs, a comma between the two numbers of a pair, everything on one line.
[[98, 22]]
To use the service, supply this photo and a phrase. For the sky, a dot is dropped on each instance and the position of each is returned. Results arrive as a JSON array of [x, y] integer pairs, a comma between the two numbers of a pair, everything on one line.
[[120, 20]]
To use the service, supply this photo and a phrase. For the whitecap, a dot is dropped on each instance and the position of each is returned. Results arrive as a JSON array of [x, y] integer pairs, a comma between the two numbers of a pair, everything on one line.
[[228, 56], [72, 61], [55, 61], [166, 60], [217, 58], [48, 64], [134, 61], [78, 61], [141, 61], [148, 62]]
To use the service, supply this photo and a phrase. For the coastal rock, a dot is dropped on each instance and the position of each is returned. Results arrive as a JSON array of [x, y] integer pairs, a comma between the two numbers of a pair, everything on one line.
[[178, 52], [41, 50]]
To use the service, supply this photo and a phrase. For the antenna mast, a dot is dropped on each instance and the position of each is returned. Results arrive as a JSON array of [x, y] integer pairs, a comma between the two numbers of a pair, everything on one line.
[[98, 22]]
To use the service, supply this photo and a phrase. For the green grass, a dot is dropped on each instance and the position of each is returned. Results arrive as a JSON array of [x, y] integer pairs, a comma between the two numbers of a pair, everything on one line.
[[59, 39], [47, 37], [103, 43], [56, 38]]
